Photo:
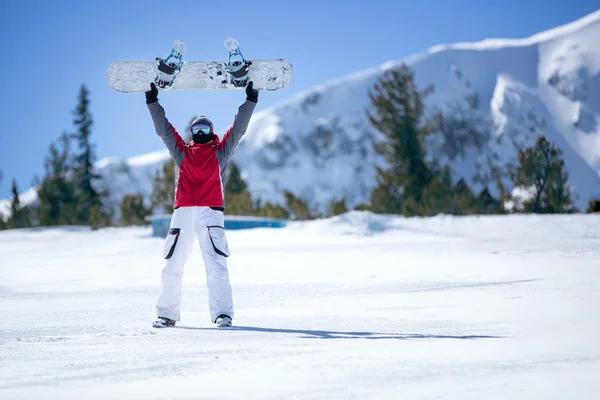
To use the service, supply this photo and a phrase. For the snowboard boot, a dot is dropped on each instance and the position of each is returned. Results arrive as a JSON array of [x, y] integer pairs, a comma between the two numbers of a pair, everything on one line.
[[162, 322], [223, 321]]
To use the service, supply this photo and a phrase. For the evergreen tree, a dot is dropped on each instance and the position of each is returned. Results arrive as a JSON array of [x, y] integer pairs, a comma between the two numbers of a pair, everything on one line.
[[363, 207], [56, 192], [19, 216], [88, 198], [337, 207], [237, 197], [297, 207], [485, 203], [270, 210], [464, 198], [593, 206], [438, 196], [133, 211], [235, 183], [387, 196], [542, 168], [398, 113], [503, 196], [162, 198], [239, 204]]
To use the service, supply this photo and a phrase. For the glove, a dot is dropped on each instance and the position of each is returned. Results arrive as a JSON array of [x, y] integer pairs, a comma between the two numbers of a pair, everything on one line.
[[152, 94], [251, 93]]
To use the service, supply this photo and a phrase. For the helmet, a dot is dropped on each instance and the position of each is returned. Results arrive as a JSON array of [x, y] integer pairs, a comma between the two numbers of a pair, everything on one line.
[[201, 120], [202, 130]]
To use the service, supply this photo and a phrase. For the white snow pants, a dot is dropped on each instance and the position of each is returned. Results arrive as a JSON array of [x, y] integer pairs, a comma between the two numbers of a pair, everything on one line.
[[208, 226]]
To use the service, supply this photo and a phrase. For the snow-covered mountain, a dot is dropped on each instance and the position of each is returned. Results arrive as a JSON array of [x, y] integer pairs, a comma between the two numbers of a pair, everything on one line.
[[319, 144]]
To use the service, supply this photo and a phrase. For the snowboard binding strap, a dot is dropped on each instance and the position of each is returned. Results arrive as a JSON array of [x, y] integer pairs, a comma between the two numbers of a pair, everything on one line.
[[168, 68], [237, 68]]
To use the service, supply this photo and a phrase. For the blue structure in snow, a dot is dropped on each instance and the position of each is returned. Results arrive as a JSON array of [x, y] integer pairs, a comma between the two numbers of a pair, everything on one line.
[[161, 223]]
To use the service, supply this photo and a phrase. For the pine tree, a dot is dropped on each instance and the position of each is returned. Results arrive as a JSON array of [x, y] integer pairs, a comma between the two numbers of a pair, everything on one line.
[[235, 184], [56, 192], [485, 203], [298, 208], [437, 197], [237, 197], [19, 216], [464, 198], [541, 167], [162, 198], [387, 196], [398, 113], [593, 206], [133, 211], [363, 207], [270, 210], [337, 207], [239, 204], [90, 210]]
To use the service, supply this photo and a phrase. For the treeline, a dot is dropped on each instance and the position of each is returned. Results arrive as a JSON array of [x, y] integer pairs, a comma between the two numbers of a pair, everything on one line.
[[415, 182], [67, 193]]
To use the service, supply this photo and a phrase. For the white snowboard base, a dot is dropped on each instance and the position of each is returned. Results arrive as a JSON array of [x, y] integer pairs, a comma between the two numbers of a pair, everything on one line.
[[136, 76]]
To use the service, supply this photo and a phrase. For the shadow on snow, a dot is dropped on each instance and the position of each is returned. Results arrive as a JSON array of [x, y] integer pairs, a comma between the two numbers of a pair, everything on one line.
[[314, 334]]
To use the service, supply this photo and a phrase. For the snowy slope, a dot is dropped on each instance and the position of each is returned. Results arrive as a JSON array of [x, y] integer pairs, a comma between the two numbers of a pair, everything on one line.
[[319, 145], [130, 176], [120, 176], [358, 306]]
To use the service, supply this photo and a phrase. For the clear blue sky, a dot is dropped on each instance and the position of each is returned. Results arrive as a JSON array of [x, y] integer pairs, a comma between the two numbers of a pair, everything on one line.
[[50, 48]]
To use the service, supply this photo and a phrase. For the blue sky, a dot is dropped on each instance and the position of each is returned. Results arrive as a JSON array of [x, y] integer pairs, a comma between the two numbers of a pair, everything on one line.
[[51, 48]]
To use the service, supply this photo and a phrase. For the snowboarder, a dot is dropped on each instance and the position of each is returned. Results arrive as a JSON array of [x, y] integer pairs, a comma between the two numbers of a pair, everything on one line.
[[198, 209]]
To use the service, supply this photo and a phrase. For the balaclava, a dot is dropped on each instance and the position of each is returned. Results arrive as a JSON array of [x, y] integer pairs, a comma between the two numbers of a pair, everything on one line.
[[202, 130]]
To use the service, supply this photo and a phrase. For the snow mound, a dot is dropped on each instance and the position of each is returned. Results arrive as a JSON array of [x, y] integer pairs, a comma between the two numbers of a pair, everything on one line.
[[360, 223]]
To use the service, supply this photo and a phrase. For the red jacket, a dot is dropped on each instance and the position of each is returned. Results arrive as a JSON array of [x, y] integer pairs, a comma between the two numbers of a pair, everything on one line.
[[201, 168]]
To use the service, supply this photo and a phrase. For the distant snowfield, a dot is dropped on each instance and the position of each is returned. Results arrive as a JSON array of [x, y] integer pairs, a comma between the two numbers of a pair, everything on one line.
[[358, 306]]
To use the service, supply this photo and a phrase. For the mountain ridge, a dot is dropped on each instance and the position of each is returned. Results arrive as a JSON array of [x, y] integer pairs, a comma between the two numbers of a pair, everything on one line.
[[318, 143]]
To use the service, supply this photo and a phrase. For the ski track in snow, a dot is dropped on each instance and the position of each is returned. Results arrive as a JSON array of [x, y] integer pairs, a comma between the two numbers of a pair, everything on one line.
[[358, 306]]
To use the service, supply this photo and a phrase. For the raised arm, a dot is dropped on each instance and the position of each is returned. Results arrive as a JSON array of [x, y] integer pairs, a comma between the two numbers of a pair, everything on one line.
[[240, 123], [163, 127]]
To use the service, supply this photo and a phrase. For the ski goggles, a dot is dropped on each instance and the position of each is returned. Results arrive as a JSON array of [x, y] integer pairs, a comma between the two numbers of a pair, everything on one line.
[[201, 127]]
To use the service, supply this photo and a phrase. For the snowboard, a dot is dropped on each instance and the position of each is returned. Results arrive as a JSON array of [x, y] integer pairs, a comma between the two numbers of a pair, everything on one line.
[[172, 73]]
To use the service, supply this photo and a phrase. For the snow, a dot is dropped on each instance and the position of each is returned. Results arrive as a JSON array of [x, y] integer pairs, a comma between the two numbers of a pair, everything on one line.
[[135, 75], [318, 144], [356, 306], [547, 84], [552, 34]]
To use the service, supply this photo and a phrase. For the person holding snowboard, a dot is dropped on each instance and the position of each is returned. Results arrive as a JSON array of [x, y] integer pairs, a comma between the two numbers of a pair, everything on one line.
[[198, 209]]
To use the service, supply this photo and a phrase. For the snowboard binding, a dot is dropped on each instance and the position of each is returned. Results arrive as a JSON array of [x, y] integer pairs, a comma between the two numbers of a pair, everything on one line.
[[237, 66], [170, 66]]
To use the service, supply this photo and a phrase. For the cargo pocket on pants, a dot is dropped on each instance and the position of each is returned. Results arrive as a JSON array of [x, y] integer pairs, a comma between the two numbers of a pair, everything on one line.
[[171, 242], [218, 240]]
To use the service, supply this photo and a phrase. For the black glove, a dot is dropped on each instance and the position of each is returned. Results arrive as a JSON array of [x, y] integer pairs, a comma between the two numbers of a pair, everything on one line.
[[251, 94], [152, 94]]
